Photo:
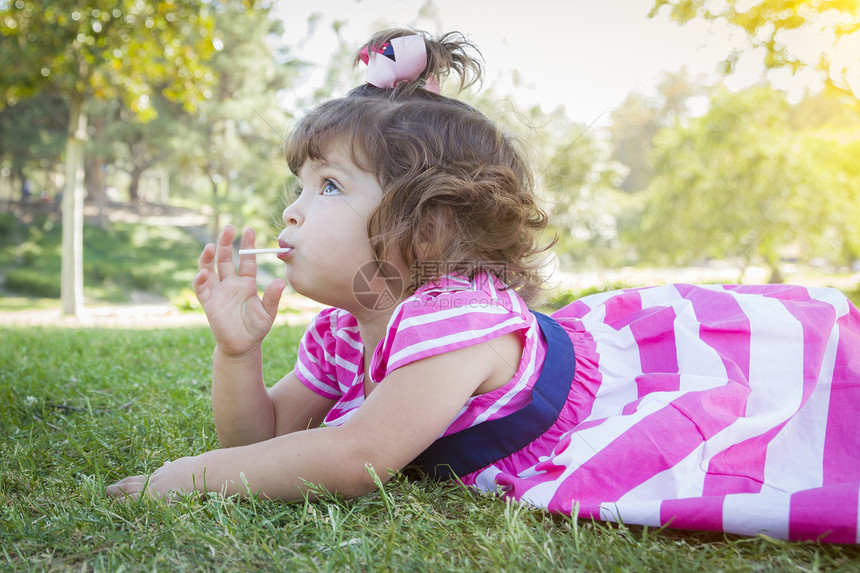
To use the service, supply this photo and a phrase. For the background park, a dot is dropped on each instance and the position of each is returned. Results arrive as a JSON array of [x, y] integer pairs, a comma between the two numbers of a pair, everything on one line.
[[131, 130]]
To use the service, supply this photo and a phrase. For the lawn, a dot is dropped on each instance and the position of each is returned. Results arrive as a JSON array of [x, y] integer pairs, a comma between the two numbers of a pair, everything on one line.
[[80, 408]]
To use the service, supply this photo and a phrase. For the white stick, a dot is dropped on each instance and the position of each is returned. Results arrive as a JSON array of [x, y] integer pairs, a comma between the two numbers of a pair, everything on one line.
[[262, 251]]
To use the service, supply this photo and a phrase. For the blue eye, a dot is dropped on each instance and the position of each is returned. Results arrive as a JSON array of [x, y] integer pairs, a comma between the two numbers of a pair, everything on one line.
[[330, 188]]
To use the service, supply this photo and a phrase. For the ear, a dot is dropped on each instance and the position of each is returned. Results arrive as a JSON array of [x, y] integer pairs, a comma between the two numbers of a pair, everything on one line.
[[423, 242], [422, 250], [433, 234]]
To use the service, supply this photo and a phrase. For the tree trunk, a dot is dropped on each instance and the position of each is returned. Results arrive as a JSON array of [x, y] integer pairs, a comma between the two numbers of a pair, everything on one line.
[[72, 273], [134, 185], [775, 277], [94, 179], [216, 206], [95, 188]]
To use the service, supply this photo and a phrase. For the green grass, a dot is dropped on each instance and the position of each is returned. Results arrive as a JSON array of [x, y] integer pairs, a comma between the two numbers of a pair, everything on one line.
[[8, 303], [81, 408]]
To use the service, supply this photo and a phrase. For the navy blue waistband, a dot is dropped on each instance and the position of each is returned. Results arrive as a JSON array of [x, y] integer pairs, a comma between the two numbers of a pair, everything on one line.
[[476, 447]]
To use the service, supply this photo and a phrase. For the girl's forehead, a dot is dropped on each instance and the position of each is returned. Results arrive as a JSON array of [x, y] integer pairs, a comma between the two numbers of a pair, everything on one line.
[[333, 158], [340, 152], [334, 153]]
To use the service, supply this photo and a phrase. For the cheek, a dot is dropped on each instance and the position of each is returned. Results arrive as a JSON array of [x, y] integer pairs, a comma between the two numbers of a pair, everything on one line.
[[356, 242]]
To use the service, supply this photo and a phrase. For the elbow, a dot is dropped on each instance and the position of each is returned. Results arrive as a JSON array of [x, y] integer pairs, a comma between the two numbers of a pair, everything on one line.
[[364, 471], [362, 477], [361, 466], [227, 440]]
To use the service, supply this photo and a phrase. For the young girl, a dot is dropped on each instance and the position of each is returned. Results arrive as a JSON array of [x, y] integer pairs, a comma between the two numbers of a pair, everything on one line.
[[706, 407]]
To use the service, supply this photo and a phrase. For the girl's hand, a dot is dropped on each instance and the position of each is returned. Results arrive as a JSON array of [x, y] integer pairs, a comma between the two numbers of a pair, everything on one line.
[[173, 477], [238, 317]]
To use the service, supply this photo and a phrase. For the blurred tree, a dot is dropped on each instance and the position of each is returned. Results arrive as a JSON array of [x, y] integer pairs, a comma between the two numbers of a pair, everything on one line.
[[634, 124], [828, 109], [105, 49], [236, 138], [340, 73], [778, 26], [140, 145], [639, 118], [575, 177], [833, 147], [32, 132], [838, 169], [734, 183], [580, 181], [98, 154]]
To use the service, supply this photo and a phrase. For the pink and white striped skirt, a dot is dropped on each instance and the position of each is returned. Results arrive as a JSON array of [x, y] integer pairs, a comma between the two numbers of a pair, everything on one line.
[[724, 408]]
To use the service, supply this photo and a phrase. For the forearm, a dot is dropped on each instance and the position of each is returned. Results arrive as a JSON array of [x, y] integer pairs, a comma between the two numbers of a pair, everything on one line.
[[283, 467], [399, 420], [241, 406]]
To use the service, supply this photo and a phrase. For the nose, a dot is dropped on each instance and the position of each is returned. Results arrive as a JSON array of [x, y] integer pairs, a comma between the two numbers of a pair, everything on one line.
[[292, 214]]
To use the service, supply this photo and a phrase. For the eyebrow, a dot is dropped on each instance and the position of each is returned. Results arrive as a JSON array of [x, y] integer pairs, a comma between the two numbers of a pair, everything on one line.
[[323, 163]]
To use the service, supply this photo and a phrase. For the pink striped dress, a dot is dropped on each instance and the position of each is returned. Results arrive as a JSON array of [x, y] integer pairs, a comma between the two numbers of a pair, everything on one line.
[[724, 408]]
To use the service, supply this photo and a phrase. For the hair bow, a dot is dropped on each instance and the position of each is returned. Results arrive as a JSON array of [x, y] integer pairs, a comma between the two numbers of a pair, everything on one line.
[[401, 59]]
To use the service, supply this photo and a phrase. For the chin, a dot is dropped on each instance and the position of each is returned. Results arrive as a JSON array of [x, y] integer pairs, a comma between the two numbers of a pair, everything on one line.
[[314, 293], [297, 285]]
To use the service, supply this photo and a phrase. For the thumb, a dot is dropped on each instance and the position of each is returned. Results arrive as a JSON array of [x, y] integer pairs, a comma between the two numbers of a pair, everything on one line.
[[272, 296]]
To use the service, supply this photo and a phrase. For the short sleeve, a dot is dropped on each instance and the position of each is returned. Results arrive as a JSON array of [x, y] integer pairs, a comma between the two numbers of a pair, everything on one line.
[[328, 353], [431, 323]]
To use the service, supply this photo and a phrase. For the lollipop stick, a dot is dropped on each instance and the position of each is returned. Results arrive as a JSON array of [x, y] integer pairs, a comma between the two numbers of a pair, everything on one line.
[[261, 251]]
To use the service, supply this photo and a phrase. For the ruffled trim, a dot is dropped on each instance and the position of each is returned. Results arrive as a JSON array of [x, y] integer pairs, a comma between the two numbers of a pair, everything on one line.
[[537, 456]]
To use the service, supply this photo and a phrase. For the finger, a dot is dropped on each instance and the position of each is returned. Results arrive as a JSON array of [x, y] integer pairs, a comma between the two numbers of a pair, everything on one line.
[[204, 281], [127, 497], [202, 288], [272, 296], [130, 486], [224, 257], [207, 258], [248, 263]]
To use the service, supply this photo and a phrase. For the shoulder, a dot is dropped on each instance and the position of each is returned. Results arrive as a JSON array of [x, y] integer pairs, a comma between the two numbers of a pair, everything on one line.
[[451, 313], [456, 294], [457, 303]]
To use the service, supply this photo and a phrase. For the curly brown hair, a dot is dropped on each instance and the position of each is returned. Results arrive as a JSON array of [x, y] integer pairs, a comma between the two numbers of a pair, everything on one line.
[[456, 189]]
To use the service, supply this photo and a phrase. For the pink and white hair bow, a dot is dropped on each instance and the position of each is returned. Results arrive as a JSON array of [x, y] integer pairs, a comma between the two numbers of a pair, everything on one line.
[[399, 60]]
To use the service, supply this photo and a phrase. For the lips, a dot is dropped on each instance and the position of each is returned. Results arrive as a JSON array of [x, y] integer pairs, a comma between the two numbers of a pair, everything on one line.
[[285, 255]]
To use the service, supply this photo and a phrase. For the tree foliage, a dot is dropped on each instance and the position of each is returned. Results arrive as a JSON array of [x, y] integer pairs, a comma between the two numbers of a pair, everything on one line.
[[107, 49], [33, 134], [836, 228], [574, 174], [580, 183], [639, 118], [773, 25], [740, 183], [235, 140], [101, 49]]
